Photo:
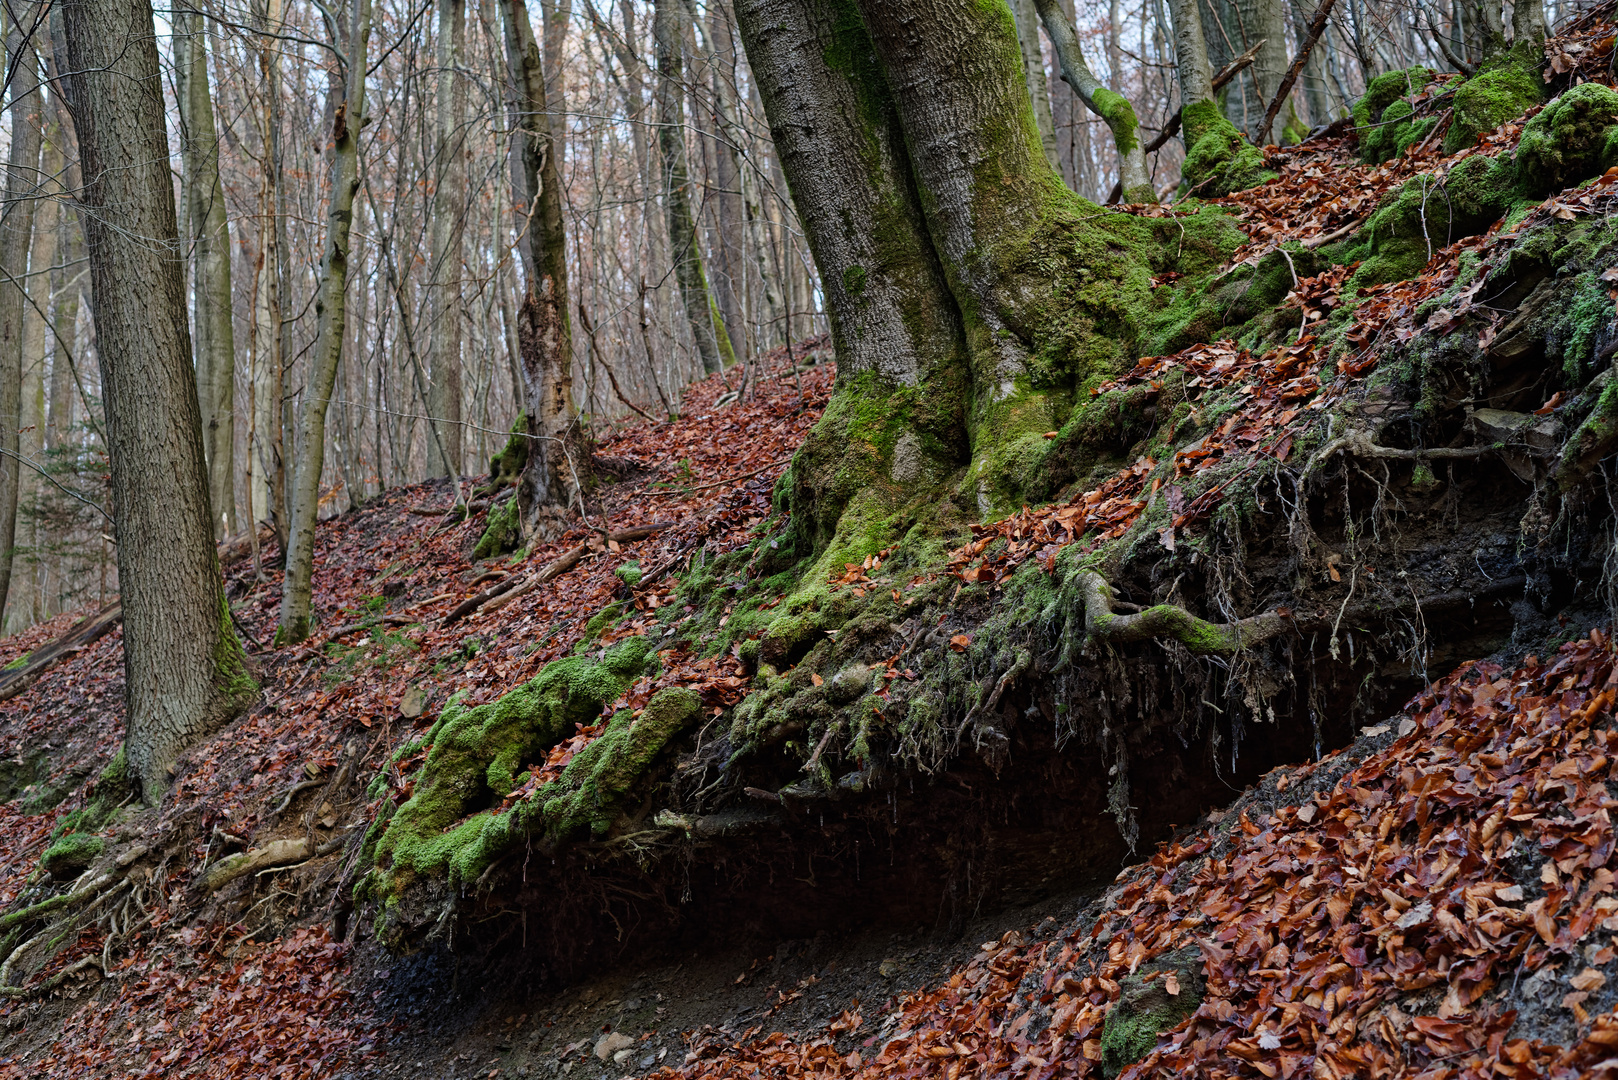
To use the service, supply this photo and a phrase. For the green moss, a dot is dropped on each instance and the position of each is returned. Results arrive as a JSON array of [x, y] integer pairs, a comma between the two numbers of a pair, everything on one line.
[[629, 573], [71, 855], [1119, 115], [1375, 129], [1218, 158], [17, 663], [232, 678], [477, 753], [502, 533], [1489, 99], [1426, 214], [854, 280], [1590, 313], [1569, 141], [1144, 1008], [507, 465]]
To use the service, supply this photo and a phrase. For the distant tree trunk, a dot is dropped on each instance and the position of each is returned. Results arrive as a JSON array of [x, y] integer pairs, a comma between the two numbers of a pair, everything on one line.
[[1527, 22], [558, 458], [707, 328], [184, 671], [726, 138], [16, 236], [211, 291], [1316, 97], [266, 457], [1264, 19], [1112, 107], [1039, 90], [1191, 54], [448, 231], [331, 312]]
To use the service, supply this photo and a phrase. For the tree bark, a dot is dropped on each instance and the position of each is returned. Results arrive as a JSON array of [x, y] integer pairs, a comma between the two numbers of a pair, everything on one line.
[[707, 327], [16, 237], [265, 451], [1527, 22], [1263, 20], [558, 460], [184, 671], [920, 108], [1113, 108], [331, 313], [1039, 89], [448, 232], [211, 292]]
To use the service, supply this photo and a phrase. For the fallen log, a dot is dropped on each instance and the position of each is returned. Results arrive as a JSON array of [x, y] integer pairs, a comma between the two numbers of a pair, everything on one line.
[[513, 587], [82, 634]]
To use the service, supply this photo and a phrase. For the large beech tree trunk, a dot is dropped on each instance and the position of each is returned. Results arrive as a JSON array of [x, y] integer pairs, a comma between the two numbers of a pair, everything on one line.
[[970, 293], [184, 671], [558, 459], [16, 236], [448, 232], [331, 316]]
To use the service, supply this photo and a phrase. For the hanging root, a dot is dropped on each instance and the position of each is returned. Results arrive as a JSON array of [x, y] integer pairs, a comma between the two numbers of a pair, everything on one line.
[[1170, 622]]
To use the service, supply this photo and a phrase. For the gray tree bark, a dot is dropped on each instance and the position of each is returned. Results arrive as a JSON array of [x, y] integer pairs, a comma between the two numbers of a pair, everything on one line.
[[16, 237], [185, 674], [1039, 89], [331, 312], [211, 291], [707, 326], [447, 244], [1266, 20], [558, 460]]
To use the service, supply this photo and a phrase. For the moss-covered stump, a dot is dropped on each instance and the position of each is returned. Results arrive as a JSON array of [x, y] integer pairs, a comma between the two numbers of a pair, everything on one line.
[[1491, 98], [1572, 139], [1157, 997], [471, 803], [1219, 159]]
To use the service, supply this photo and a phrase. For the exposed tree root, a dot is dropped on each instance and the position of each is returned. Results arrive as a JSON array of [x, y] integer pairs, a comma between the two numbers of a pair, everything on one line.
[[274, 854], [1170, 622]]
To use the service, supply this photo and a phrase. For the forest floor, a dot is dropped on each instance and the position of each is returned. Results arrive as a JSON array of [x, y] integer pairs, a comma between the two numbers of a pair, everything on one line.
[[1489, 789]]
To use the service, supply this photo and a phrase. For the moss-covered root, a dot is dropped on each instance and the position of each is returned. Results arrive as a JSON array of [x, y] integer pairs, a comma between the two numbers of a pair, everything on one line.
[[1218, 159], [1573, 138], [1170, 622], [502, 533]]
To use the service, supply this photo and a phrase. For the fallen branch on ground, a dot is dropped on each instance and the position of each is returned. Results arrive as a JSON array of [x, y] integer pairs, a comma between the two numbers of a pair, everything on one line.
[[276, 853], [513, 587]]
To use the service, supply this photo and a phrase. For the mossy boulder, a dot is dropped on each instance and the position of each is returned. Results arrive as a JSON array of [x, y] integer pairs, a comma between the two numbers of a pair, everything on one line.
[[1427, 214], [1218, 158], [502, 533], [71, 855], [1145, 1007], [1378, 112], [476, 756], [1572, 139], [1489, 99]]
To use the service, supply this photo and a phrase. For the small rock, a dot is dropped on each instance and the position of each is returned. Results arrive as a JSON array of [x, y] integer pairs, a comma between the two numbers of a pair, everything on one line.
[[413, 703], [623, 1056], [648, 1061], [889, 968], [612, 1043], [632, 1004]]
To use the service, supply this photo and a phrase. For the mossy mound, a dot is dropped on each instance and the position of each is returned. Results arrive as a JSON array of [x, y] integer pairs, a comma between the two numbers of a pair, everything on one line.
[[1218, 159], [454, 825], [1427, 214], [1573, 138], [508, 464], [1378, 112], [1489, 99], [71, 855], [1145, 1007], [502, 532]]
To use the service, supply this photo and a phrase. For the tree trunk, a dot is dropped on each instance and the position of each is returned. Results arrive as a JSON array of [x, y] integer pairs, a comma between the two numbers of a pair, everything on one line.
[[16, 236], [726, 139], [1039, 89], [558, 459], [1113, 108], [1527, 22], [184, 671], [448, 230], [266, 459], [707, 328], [929, 96], [211, 291], [330, 316], [1263, 20]]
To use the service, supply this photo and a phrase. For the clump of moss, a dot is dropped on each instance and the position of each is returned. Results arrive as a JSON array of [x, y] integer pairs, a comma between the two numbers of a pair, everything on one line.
[[1219, 159], [1145, 1008], [1377, 113], [1489, 99], [1427, 214], [71, 855], [502, 533], [508, 464], [476, 755], [1573, 138]]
